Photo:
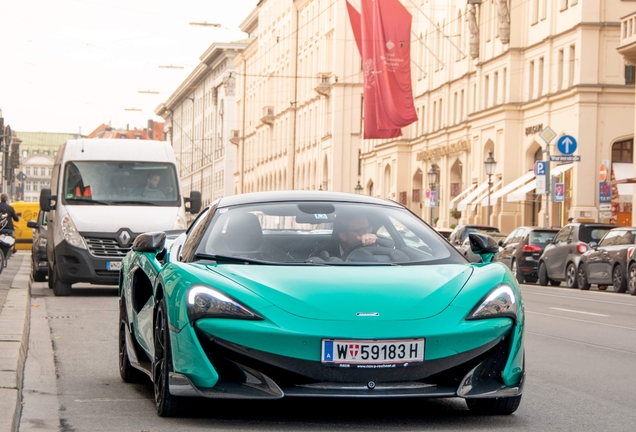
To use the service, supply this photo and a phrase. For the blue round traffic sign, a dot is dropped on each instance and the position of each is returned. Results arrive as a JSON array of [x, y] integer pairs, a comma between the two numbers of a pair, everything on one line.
[[567, 144]]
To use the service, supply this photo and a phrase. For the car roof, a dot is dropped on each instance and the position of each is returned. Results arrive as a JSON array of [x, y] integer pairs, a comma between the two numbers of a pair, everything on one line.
[[294, 196]]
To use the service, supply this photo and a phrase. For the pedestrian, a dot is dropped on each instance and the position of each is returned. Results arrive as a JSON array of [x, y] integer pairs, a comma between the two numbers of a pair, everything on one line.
[[570, 220], [9, 214]]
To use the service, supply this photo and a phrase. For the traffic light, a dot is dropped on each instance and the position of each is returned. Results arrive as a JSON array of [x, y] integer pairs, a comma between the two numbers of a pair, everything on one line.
[[14, 159]]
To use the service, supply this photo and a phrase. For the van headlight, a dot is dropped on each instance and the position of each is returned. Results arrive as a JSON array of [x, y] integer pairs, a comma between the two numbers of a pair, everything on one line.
[[70, 232], [179, 223]]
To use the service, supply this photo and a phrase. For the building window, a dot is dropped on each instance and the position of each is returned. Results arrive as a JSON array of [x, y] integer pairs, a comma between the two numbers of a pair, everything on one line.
[[486, 90], [622, 151], [504, 85], [560, 70], [571, 69], [540, 83], [535, 11], [531, 81], [629, 75], [35, 171], [25, 153], [495, 89], [27, 171]]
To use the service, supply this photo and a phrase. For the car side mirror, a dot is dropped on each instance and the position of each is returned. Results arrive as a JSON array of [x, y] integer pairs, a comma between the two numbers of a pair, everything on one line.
[[47, 201], [484, 246], [593, 245], [501, 243], [194, 202], [32, 224], [151, 242]]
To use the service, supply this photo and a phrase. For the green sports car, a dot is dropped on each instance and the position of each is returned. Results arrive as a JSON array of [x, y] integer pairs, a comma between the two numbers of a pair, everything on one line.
[[318, 294]]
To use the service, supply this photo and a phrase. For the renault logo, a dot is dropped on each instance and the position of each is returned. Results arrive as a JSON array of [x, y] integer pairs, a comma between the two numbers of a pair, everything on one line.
[[124, 237]]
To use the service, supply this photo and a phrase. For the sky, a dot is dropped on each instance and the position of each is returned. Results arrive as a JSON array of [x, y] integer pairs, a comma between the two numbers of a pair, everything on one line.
[[71, 65]]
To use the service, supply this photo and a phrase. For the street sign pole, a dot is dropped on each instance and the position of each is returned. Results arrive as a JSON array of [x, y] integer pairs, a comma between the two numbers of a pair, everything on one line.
[[548, 135]]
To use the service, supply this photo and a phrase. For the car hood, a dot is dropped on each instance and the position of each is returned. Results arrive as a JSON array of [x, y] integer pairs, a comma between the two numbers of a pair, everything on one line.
[[343, 293], [112, 218]]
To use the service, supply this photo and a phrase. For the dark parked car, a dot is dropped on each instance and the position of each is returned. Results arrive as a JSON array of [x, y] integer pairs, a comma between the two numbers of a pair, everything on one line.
[[460, 233], [560, 259], [522, 249], [467, 251], [39, 263], [606, 263], [631, 271]]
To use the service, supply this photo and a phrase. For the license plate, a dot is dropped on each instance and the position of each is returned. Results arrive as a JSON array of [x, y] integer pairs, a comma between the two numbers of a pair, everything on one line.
[[363, 352], [113, 265]]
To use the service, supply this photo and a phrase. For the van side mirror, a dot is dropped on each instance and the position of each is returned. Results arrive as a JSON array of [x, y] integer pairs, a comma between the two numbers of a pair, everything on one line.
[[47, 201], [195, 202]]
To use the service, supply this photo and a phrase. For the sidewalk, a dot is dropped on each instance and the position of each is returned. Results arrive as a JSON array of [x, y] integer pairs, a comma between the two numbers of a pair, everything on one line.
[[14, 336]]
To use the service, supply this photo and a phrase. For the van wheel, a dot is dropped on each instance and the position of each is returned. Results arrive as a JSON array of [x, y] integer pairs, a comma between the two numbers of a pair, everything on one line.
[[60, 289]]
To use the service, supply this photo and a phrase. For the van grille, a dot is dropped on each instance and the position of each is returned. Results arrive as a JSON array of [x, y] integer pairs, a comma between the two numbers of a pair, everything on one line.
[[105, 247]]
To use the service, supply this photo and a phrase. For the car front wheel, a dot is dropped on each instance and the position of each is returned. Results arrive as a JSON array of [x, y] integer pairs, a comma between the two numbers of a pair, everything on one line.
[[494, 406], [571, 276], [631, 282], [582, 278], [619, 280], [167, 405]]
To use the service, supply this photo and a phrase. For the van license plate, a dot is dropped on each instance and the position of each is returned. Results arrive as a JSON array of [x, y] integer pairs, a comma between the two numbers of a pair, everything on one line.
[[113, 265]]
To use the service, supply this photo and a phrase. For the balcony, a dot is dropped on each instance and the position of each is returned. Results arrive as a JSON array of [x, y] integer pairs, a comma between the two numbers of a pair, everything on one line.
[[627, 47], [235, 136], [323, 86], [268, 115]]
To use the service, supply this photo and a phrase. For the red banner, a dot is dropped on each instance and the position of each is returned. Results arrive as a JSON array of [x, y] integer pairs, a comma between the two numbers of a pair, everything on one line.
[[385, 35]]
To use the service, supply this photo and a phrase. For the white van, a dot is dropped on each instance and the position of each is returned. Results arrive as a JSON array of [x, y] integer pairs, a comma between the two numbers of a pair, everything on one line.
[[104, 193]]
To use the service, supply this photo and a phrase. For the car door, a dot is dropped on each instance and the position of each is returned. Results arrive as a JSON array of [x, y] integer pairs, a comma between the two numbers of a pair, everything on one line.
[[556, 253], [508, 247], [598, 260]]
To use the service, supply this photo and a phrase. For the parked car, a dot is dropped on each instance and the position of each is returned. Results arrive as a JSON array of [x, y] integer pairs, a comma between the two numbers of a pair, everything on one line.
[[631, 272], [460, 233], [521, 250], [446, 232], [466, 250], [39, 263], [258, 300], [560, 258], [606, 263]]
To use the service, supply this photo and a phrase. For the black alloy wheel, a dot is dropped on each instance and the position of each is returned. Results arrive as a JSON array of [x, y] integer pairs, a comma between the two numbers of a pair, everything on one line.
[[494, 406], [582, 278], [571, 278], [543, 275], [167, 405], [618, 279], [631, 281], [127, 372]]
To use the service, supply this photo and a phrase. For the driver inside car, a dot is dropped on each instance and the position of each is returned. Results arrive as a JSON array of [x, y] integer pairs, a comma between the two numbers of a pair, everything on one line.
[[350, 232]]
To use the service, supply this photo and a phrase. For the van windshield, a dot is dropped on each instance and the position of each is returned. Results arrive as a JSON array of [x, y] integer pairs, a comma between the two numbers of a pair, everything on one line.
[[120, 183]]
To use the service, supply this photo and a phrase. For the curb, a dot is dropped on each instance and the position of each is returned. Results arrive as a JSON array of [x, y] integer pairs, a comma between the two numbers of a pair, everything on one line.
[[14, 338]]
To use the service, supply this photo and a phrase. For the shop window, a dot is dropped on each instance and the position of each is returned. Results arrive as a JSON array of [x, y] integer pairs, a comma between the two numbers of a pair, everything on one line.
[[629, 75], [623, 151]]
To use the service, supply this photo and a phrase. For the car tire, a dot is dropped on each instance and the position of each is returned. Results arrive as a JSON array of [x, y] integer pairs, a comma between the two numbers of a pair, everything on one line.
[[543, 275], [618, 279], [166, 404], [60, 289], [37, 275], [51, 278], [631, 281], [494, 406], [516, 271], [555, 282], [571, 276], [582, 279], [126, 370]]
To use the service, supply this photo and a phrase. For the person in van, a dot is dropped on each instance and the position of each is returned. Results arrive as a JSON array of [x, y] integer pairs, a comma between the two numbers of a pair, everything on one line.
[[7, 209], [150, 190]]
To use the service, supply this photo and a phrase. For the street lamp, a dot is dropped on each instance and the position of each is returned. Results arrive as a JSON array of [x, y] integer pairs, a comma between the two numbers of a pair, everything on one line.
[[358, 188], [490, 163], [432, 183]]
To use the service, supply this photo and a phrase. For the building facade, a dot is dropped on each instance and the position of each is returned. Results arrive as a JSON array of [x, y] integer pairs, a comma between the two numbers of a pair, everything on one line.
[[200, 115]]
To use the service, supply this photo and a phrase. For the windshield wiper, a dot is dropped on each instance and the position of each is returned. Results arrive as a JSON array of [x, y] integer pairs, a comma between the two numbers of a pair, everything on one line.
[[150, 203], [227, 259], [88, 201]]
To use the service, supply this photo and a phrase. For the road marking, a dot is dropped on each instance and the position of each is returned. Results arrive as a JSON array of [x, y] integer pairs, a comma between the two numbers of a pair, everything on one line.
[[580, 298], [580, 342], [579, 320], [581, 312]]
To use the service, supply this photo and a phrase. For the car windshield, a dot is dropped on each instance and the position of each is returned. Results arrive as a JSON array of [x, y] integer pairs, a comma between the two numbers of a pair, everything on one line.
[[120, 183], [541, 237], [322, 233]]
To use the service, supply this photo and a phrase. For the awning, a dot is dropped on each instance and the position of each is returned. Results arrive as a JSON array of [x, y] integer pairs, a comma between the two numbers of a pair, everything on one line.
[[520, 194], [508, 188], [484, 197], [462, 194], [471, 196]]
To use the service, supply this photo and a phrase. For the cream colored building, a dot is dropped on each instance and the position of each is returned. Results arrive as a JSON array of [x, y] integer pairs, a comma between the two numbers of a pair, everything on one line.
[[491, 80], [200, 115]]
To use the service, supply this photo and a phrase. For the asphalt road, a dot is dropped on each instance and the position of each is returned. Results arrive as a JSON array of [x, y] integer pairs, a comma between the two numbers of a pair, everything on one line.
[[581, 375]]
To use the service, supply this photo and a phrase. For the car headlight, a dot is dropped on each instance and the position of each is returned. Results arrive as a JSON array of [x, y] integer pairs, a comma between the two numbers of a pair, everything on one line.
[[206, 302], [70, 232], [500, 302], [179, 223]]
